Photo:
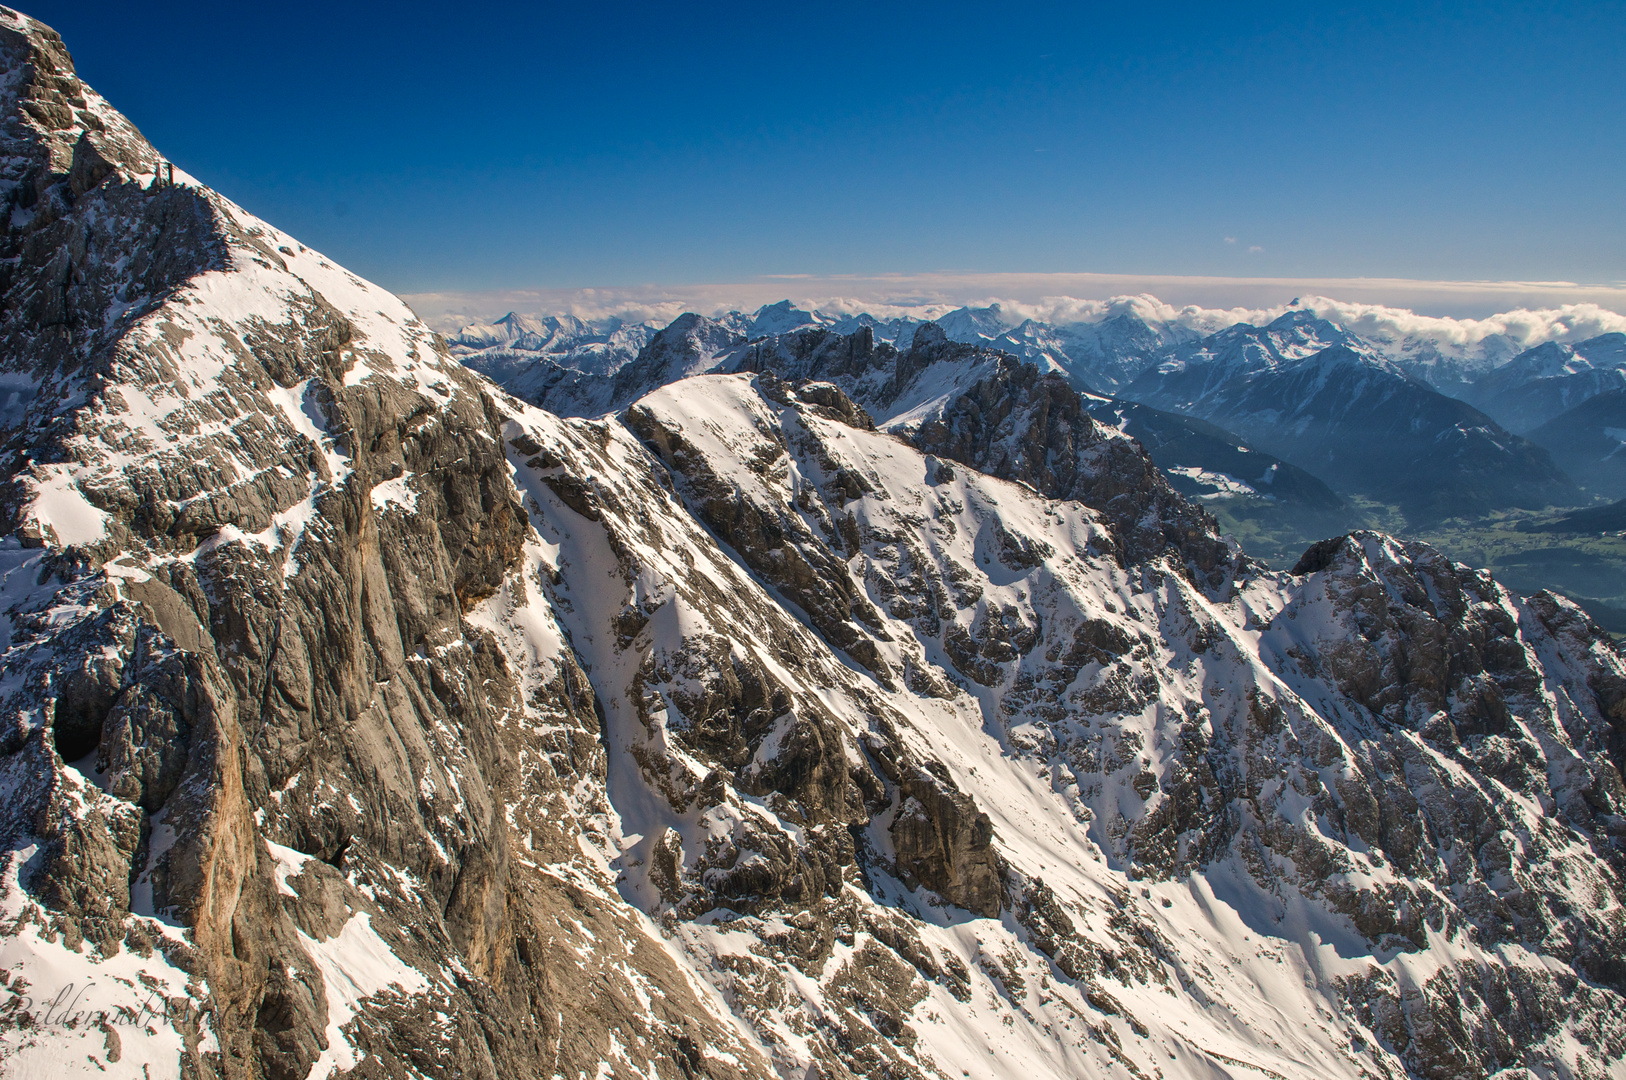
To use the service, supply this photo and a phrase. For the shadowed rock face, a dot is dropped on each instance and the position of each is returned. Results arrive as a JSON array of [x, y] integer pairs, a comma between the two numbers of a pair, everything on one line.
[[1584, 442], [872, 718]]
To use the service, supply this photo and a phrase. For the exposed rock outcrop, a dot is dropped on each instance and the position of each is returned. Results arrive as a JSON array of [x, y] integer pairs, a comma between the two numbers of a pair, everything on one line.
[[861, 713]]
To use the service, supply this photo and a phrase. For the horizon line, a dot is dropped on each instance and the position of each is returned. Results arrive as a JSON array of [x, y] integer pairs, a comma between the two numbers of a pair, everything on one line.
[[1439, 298]]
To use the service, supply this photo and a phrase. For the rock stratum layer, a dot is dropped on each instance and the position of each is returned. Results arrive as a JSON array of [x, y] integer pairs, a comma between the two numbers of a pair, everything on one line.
[[859, 714]]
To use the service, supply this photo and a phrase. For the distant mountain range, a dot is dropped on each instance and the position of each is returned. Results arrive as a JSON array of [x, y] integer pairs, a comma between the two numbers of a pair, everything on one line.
[[1105, 351], [1542, 383], [1333, 412], [1313, 393]]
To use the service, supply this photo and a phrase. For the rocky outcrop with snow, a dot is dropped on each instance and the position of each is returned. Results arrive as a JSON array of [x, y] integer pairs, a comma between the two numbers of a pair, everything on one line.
[[845, 711]]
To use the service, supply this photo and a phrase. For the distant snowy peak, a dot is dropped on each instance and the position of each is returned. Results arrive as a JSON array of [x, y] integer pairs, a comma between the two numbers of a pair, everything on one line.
[[898, 331], [515, 331], [1299, 333], [693, 342], [1447, 366], [1541, 383], [1104, 356], [598, 347], [782, 318], [1046, 346], [692, 345], [974, 326], [1244, 351], [1553, 359]]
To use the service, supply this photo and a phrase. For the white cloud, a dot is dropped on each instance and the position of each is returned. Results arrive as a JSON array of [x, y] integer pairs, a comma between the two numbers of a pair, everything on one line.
[[1464, 314], [1255, 248], [1524, 326]]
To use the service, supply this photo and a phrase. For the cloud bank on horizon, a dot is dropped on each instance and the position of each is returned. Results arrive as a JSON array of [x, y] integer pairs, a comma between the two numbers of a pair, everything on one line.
[[1454, 315]]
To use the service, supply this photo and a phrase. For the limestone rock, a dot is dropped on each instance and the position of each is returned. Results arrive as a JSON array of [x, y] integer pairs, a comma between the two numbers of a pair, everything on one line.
[[829, 710]]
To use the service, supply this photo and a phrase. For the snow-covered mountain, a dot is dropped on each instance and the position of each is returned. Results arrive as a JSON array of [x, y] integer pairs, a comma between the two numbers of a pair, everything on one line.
[[782, 318], [1103, 355], [520, 331], [1320, 397], [358, 717], [1450, 367], [1541, 383], [1244, 350], [599, 347]]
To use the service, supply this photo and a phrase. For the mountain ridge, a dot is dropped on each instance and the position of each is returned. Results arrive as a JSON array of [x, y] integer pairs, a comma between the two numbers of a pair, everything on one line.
[[1348, 414], [1104, 346], [1540, 383], [376, 721]]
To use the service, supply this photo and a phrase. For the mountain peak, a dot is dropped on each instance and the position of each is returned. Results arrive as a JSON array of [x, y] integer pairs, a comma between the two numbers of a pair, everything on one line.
[[1302, 317], [972, 325], [62, 124], [781, 318], [359, 718]]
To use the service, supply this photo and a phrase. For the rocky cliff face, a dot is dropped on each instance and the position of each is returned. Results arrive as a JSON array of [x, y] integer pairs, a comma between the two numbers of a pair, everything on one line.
[[269, 789], [862, 713]]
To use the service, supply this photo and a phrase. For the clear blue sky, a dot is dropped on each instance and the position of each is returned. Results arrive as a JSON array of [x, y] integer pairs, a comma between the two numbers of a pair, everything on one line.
[[481, 146]]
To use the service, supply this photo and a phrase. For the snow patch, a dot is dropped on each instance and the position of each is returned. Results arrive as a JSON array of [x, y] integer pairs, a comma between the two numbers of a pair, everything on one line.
[[356, 964]]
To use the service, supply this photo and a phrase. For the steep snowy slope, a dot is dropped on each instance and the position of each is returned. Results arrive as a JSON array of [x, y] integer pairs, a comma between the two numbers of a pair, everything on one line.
[[1219, 775], [356, 715]]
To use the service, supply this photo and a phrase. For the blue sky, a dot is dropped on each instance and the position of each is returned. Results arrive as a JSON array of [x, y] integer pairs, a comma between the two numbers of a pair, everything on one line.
[[491, 146]]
